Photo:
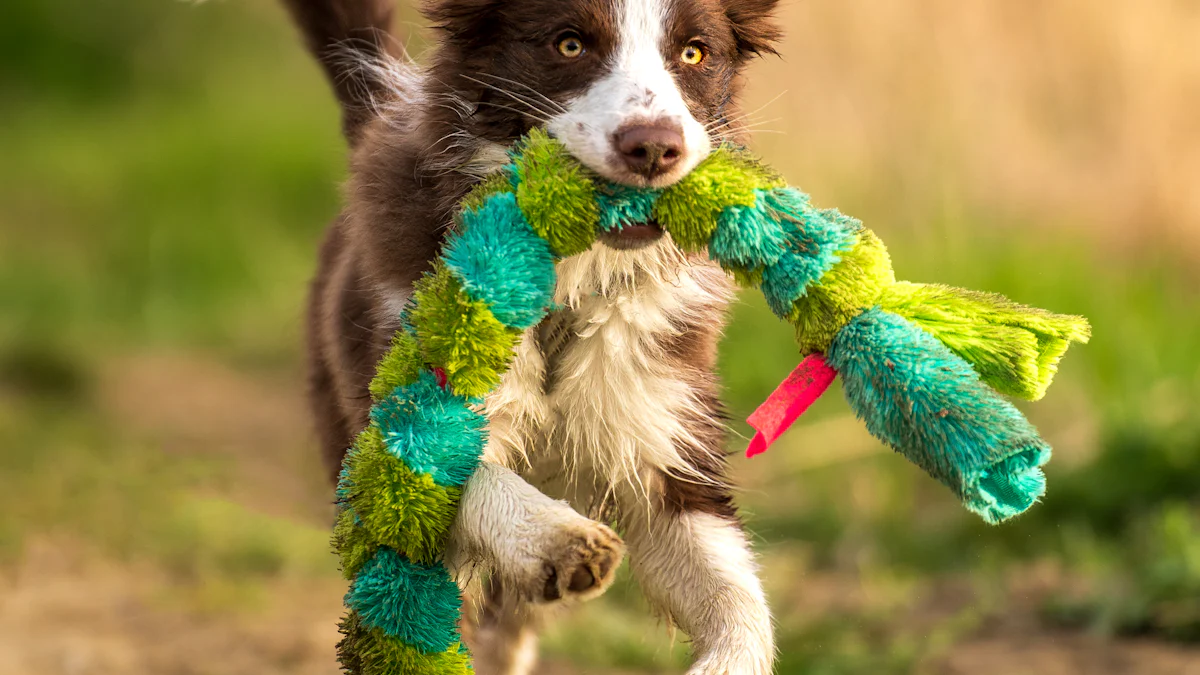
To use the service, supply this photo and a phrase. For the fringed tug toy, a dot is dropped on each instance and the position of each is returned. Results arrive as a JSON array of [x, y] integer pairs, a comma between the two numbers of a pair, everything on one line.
[[924, 366]]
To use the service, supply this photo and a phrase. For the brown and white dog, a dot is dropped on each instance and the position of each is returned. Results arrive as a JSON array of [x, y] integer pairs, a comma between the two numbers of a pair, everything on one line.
[[611, 404]]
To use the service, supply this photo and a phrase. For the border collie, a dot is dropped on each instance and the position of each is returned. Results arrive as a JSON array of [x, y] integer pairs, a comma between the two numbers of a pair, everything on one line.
[[610, 411]]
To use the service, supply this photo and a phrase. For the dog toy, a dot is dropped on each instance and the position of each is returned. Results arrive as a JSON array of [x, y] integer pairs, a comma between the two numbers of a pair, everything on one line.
[[924, 366]]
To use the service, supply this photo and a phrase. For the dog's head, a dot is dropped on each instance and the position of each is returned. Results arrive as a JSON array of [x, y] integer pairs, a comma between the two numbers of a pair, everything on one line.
[[637, 90]]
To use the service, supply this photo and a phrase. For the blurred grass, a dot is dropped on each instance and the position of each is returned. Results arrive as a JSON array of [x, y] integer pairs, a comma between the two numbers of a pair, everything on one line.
[[168, 168]]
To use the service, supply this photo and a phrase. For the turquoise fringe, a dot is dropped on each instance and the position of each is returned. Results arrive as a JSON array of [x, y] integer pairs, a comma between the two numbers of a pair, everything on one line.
[[929, 404], [432, 430], [500, 260], [814, 241], [621, 205], [419, 604], [748, 237]]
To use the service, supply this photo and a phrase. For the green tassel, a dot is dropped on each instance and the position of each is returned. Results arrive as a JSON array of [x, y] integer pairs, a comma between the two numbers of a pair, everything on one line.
[[494, 184], [395, 506], [352, 543], [370, 651], [1014, 348], [556, 194], [420, 604], [400, 366], [461, 335]]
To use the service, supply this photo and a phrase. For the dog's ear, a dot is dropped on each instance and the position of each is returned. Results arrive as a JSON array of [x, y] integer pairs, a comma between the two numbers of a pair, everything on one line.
[[754, 25], [462, 20]]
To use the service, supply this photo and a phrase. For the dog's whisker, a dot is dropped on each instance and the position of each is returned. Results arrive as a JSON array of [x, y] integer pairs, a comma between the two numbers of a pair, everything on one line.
[[518, 111], [514, 96], [560, 107], [749, 114]]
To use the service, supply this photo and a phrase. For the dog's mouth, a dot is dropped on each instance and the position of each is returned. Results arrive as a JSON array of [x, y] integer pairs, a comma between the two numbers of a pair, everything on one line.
[[632, 237]]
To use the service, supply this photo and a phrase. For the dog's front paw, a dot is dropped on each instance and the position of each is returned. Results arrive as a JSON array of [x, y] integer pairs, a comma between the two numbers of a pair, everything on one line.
[[579, 561]]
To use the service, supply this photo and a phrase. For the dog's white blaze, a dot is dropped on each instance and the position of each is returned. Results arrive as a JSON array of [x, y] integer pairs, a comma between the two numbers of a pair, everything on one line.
[[637, 88]]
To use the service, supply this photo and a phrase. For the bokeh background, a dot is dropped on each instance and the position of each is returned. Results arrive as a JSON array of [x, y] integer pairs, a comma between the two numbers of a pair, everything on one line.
[[166, 170]]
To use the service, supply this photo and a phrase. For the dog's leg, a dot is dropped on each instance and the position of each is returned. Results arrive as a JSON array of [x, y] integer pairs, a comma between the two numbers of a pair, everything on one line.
[[539, 550], [502, 631], [697, 568]]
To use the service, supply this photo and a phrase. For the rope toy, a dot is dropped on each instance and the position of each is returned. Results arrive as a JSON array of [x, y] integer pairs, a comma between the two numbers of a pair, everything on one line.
[[923, 365]]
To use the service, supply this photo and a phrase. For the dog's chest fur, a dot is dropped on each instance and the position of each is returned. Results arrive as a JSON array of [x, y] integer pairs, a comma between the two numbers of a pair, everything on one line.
[[603, 391]]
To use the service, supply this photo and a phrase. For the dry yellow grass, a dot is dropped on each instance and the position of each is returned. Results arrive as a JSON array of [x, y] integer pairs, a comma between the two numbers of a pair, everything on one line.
[[1080, 113]]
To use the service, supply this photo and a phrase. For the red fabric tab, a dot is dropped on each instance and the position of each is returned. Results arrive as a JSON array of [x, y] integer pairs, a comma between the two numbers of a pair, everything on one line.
[[790, 399]]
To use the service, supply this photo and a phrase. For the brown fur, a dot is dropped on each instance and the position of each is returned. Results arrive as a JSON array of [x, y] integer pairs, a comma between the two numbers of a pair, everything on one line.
[[404, 183], [329, 28], [400, 195]]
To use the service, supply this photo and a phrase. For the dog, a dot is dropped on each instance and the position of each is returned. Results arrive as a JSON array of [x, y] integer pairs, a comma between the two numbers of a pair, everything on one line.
[[610, 411]]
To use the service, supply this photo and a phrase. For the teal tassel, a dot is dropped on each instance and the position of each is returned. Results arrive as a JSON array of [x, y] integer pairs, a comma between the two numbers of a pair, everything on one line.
[[621, 205], [419, 604], [500, 260], [929, 404], [748, 237], [432, 430], [814, 241]]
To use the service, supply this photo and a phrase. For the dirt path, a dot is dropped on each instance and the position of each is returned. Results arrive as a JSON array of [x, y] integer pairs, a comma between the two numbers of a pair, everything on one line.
[[67, 609]]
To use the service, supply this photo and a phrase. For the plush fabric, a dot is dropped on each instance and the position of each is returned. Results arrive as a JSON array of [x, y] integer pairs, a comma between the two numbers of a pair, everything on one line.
[[849, 287], [417, 604], [395, 505], [814, 244], [352, 542], [923, 400], [556, 194], [749, 237], [499, 260], [1014, 348], [922, 365], [399, 366], [621, 205], [496, 183], [690, 208], [432, 430], [370, 651], [460, 335]]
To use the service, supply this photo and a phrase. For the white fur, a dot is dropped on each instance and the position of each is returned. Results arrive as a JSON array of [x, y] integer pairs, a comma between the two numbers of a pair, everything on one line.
[[637, 88], [520, 534], [617, 403], [611, 425], [517, 410], [698, 569], [607, 430]]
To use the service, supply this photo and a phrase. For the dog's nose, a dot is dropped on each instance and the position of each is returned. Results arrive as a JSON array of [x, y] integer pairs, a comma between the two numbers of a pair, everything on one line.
[[649, 150]]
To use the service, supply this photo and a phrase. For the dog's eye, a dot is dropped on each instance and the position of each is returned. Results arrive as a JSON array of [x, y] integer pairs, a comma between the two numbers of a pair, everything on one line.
[[570, 45], [693, 53]]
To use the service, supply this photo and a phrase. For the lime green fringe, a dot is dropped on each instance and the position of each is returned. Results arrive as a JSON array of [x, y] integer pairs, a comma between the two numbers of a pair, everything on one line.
[[690, 208], [1014, 348], [556, 194], [395, 507], [370, 651], [461, 335], [400, 366]]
